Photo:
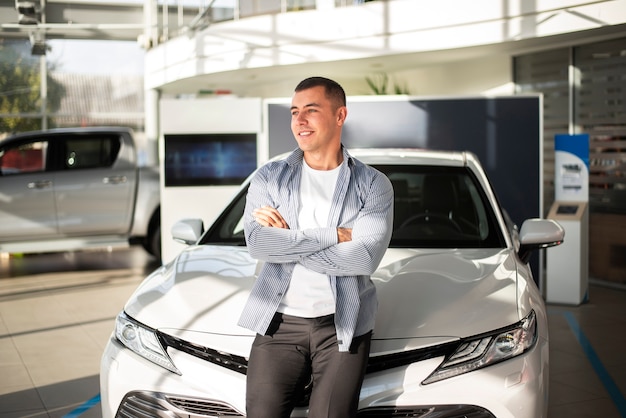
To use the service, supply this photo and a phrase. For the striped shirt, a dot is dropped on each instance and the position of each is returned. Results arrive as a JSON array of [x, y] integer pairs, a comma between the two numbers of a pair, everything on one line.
[[363, 201]]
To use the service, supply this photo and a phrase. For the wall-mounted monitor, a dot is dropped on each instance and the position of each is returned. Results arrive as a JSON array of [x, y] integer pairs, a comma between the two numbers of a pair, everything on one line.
[[215, 159]]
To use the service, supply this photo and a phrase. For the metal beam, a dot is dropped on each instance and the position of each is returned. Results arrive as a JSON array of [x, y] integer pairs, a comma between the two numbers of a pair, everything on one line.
[[78, 19]]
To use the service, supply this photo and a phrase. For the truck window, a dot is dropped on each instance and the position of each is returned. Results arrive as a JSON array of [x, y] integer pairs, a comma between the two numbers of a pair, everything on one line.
[[91, 152], [23, 158]]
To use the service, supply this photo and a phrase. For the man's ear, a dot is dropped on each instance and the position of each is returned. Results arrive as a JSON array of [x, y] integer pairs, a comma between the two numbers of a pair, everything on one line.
[[342, 113]]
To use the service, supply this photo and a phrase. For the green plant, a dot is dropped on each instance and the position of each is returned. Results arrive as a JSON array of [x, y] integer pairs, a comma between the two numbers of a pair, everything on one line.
[[379, 83]]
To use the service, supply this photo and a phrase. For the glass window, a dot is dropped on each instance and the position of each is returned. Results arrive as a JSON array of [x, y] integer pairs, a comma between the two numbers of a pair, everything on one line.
[[23, 158], [88, 83], [91, 152], [20, 87], [228, 229]]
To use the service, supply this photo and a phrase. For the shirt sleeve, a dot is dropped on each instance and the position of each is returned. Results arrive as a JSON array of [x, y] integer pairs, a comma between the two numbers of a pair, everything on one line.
[[371, 233], [279, 245]]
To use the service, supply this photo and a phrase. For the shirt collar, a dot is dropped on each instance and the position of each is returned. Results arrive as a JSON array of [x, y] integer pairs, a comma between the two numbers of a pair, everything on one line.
[[297, 155]]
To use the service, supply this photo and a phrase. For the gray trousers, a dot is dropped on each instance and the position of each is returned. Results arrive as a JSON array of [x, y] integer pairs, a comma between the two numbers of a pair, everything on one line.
[[292, 353]]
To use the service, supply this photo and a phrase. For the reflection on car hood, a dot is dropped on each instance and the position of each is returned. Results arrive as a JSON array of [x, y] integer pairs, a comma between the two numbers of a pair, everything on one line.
[[425, 297]]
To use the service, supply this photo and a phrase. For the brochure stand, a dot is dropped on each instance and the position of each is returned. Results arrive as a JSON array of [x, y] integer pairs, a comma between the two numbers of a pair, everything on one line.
[[567, 267]]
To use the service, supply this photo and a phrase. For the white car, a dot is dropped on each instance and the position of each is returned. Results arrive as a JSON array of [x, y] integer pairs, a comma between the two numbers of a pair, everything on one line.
[[461, 329]]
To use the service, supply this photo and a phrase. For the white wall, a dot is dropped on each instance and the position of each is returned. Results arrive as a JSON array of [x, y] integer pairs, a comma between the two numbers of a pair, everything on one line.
[[489, 75], [215, 115]]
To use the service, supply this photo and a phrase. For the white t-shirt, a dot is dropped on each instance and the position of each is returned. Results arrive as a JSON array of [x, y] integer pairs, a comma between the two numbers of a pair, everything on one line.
[[309, 294]]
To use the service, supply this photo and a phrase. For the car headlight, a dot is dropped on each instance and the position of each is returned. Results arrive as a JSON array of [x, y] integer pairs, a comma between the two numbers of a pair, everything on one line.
[[142, 340], [486, 350]]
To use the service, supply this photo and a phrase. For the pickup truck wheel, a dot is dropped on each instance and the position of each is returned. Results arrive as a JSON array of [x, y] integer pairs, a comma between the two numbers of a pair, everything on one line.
[[153, 243]]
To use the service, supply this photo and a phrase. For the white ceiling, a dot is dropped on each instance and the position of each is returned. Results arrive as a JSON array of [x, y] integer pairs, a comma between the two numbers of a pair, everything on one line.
[[241, 80]]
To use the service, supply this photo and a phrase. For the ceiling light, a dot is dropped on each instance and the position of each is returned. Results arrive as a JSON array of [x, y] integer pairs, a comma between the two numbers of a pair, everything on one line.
[[38, 44], [28, 14]]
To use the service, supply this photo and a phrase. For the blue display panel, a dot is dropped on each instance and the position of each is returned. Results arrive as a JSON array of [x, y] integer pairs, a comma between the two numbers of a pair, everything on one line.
[[504, 132], [209, 159]]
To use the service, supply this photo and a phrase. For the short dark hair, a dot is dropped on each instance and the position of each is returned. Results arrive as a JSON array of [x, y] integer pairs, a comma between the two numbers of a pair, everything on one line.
[[334, 91]]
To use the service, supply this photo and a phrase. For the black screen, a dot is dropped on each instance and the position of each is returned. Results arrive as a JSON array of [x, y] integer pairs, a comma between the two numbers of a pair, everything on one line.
[[209, 159]]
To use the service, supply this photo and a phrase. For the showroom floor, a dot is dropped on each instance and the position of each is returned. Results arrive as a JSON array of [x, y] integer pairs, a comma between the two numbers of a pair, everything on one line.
[[57, 312]]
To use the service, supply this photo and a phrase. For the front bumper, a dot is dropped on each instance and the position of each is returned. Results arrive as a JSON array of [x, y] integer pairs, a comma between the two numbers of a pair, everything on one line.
[[514, 388]]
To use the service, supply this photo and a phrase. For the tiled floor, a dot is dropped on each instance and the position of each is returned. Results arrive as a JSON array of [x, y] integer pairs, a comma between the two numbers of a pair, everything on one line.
[[57, 311], [588, 356], [56, 314]]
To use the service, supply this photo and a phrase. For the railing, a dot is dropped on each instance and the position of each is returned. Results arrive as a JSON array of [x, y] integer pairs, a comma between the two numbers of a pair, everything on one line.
[[181, 16]]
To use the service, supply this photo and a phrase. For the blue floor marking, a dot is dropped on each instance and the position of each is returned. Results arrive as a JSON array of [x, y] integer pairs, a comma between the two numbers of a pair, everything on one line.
[[603, 374], [84, 407]]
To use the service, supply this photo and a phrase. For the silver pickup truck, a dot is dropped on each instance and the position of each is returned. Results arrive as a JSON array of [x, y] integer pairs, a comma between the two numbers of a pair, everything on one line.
[[76, 188]]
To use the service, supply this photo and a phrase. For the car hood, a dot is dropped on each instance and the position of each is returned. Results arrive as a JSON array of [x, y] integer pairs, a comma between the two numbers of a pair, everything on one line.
[[426, 297]]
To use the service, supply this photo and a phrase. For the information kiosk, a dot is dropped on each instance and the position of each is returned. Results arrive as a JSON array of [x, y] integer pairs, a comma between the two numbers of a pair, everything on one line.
[[568, 264]]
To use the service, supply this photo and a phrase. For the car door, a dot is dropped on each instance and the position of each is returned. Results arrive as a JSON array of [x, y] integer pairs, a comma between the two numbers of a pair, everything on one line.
[[27, 209], [95, 184]]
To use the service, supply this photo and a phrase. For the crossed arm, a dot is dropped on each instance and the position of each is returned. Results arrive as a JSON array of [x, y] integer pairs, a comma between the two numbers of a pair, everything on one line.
[[268, 216], [342, 251]]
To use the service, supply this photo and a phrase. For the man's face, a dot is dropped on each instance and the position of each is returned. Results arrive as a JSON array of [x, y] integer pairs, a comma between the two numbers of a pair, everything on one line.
[[315, 122]]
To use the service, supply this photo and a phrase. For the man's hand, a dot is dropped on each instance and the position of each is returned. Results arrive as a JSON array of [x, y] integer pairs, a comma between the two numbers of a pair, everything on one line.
[[268, 216], [344, 234]]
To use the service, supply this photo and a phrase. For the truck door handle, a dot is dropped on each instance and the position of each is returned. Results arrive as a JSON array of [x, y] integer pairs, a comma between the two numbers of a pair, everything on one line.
[[39, 184], [114, 180]]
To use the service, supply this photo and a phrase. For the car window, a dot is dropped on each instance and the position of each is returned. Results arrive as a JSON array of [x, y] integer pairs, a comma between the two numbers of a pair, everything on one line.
[[23, 158], [228, 228], [91, 152], [440, 207], [434, 207]]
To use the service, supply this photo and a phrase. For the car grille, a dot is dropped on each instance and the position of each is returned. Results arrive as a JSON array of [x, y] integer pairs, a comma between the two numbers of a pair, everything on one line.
[[434, 411], [375, 364], [154, 404], [232, 362]]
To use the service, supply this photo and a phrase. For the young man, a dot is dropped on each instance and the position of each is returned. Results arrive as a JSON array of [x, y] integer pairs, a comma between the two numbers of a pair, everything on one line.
[[321, 221]]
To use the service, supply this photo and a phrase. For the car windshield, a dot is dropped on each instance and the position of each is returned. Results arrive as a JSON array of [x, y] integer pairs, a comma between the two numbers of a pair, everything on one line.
[[434, 207]]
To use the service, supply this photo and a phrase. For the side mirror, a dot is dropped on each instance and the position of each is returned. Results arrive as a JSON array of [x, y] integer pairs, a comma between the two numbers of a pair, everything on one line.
[[187, 231], [539, 233]]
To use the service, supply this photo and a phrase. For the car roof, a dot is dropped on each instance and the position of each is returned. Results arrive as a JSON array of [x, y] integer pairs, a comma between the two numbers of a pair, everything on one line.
[[409, 156], [412, 156]]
